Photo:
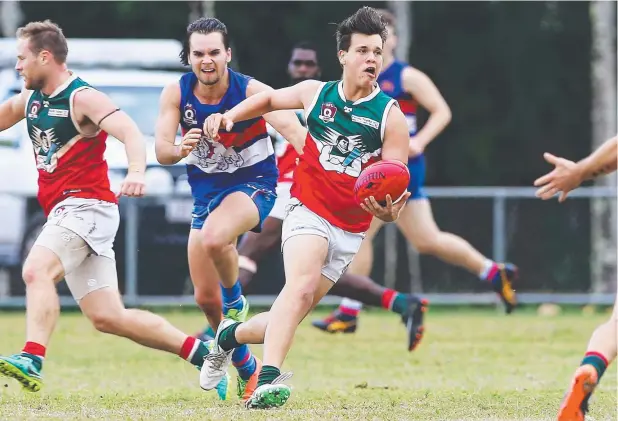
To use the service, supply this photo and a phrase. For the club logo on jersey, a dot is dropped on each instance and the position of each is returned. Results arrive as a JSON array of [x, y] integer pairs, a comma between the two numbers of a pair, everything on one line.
[[387, 86], [344, 154], [45, 146], [211, 154], [33, 112], [327, 113], [188, 115]]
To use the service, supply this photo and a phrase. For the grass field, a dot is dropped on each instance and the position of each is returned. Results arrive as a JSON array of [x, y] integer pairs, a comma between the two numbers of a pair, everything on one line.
[[472, 364]]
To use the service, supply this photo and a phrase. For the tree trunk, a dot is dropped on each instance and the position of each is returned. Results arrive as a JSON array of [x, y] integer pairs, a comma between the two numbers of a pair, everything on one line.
[[603, 73], [403, 16]]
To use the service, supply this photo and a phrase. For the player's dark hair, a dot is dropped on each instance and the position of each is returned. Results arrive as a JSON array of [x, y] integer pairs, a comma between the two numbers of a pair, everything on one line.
[[306, 45], [46, 36], [203, 26], [365, 21]]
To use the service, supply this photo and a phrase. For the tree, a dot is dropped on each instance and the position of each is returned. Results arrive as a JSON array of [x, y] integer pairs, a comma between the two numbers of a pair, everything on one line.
[[603, 77]]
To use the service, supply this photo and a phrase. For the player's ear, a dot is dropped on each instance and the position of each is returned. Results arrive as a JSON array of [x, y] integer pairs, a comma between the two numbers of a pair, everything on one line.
[[229, 56], [45, 57], [342, 55]]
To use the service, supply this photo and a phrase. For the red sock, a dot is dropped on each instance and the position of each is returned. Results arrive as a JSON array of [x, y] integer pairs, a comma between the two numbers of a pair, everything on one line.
[[34, 349], [188, 348], [353, 312], [387, 298]]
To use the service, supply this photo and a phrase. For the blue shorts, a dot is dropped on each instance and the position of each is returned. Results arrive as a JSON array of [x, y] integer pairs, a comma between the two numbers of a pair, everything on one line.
[[416, 166], [262, 194]]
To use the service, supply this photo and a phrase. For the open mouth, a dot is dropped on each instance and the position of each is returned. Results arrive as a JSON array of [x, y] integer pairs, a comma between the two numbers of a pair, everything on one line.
[[208, 71], [371, 71]]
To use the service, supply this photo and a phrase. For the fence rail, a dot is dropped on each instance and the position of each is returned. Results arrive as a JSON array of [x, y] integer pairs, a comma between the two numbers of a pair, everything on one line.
[[498, 195]]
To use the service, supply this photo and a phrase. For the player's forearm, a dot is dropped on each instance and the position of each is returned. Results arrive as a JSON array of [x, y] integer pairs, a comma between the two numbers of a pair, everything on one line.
[[8, 116], [167, 153], [602, 161], [436, 123], [286, 123], [135, 148], [254, 106]]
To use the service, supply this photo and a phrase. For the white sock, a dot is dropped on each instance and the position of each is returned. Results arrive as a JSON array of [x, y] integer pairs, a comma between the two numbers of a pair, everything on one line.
[[486, 268], [351, 304]]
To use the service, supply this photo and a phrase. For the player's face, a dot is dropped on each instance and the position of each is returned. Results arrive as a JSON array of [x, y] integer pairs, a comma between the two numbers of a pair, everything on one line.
[[391, 40], [208, 57], [303, 65], [363, 60], [30, 65]]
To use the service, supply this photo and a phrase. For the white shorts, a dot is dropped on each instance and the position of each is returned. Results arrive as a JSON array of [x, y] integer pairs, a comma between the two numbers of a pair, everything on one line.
[[81, 233], [342, 245], [283, 197]]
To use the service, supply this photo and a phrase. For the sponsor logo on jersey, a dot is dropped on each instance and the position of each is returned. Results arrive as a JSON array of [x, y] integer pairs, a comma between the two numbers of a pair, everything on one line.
[[55, 112], [365, 121]]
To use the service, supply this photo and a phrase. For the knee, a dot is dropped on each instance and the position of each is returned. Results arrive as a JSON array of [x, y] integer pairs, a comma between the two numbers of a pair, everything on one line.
[[215, 243], [33, 273], [106, 322], [208, 301], [303, 293], [428, 244]]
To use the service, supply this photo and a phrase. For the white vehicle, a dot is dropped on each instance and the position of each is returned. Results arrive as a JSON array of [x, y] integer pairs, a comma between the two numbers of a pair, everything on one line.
[[124, 70]]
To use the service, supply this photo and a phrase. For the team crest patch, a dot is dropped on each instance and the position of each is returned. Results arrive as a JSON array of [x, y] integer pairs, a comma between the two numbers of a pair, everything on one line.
[[387, 86], [327, 114], [188, 115], [33, 112]]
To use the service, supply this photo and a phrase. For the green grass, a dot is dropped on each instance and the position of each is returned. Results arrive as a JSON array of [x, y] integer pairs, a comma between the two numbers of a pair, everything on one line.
[[472, 364]]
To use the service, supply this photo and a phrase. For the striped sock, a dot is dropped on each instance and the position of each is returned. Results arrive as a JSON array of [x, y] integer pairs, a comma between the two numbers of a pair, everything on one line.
[[36, 352], [350, 307], [268, 374], [244, 361], [394, 301], [194, 351], [597, 360], [231, 297]]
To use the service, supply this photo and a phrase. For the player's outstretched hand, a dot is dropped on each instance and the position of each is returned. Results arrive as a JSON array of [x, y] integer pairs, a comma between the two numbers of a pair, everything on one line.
[[134, 185], [214, 123], [189, 140], [565, 177], [388, 213]]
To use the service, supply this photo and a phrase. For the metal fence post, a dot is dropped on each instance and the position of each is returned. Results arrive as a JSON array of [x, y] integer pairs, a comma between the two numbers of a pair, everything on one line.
[[390, 255], [131, 244], [499, 227]]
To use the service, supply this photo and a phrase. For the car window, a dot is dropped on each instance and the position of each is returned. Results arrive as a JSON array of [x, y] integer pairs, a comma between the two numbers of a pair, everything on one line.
[[140, 103]]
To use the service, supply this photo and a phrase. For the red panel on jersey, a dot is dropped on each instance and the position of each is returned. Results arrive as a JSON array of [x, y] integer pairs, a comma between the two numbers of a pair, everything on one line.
[[80, 172], [408, 106], [286, 164], [328, 193]]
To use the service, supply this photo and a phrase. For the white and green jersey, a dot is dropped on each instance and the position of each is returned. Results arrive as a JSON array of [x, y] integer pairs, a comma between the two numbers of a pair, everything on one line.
[[344, 137]]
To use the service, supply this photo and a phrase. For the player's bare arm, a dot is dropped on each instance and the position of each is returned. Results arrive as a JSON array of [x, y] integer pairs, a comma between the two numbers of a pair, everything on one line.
[[568, 175], [167, 126], [92, 106], [425, 92], [290, 98], [12, 111], [394, 147], [284, 121]]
